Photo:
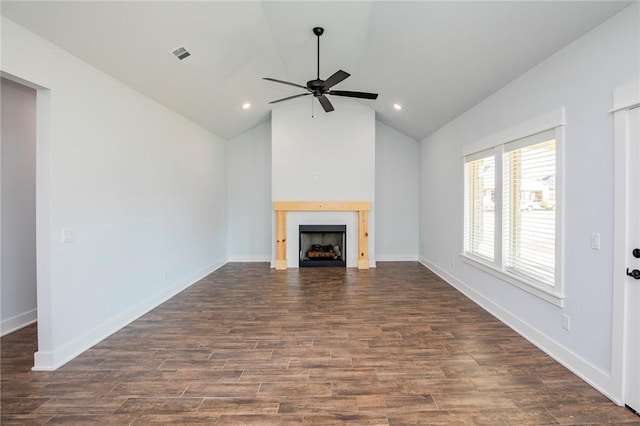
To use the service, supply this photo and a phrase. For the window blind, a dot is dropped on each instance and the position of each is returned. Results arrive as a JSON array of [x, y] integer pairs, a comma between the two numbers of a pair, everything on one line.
[[479, 208], [529, 195]]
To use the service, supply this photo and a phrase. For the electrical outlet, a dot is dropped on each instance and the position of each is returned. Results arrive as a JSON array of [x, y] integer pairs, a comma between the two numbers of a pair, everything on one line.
[[595, 241], [566, 322]]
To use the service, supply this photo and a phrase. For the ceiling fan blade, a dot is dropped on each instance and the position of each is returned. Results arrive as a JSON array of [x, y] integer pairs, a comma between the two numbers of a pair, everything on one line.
[[336, 78], [285, 82], [326, 104], [289, 97], [349, 94]]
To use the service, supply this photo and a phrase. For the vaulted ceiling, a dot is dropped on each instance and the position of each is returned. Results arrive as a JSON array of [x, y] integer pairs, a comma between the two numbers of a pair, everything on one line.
[[435, 58]]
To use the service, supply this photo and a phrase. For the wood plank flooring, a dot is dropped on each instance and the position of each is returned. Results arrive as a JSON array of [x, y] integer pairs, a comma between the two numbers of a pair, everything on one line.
[[251, 345]]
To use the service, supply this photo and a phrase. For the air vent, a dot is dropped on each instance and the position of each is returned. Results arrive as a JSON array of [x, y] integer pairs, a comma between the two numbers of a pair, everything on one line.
[[180, 53]]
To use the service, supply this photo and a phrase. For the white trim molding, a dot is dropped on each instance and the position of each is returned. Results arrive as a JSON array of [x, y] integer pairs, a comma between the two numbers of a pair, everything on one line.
[[395, 258], [251, 258], [538, 124], [548, 295], [12, 324], [626, 97]]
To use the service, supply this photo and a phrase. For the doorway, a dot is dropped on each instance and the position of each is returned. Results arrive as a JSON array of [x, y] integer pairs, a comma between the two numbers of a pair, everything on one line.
[[18, 278]]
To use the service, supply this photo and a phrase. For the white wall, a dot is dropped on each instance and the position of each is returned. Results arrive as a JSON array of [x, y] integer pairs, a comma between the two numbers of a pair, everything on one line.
[[329, 157], [143, 189], [581, 78], [18, 213], [397, 195], [249, 195]]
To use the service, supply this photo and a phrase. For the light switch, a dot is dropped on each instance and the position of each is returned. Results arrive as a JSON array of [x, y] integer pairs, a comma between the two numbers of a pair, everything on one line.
[[566, 322], [595, 241], [67, 235]]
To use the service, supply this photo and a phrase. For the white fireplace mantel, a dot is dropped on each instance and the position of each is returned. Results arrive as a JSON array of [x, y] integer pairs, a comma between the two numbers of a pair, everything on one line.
[[281, 209]]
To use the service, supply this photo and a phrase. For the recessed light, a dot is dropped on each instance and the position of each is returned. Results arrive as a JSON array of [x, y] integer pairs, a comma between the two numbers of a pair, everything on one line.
[[397, 107], [246, 105]]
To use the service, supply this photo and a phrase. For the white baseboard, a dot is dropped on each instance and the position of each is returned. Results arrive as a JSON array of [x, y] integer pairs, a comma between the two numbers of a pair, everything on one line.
[[49, 361], [597, 378], [396, 257], [12, 324], [251, 258]]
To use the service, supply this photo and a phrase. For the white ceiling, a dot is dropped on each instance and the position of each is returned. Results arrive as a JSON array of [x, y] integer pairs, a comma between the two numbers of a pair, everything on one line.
[[436, 58]]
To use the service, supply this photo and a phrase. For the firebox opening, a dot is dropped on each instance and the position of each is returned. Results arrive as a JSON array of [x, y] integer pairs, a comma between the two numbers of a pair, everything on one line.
[[323, 245]]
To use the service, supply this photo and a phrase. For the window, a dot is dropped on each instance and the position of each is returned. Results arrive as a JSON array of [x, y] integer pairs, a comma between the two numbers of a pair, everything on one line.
[[529, 196], [511, 212], [479, 208]]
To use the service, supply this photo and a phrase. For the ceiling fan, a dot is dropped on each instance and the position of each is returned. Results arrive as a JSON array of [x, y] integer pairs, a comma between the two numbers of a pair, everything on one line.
[[320, 88]]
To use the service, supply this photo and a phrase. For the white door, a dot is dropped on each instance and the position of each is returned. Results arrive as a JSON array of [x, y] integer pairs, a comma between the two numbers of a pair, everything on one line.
[[632, 370]]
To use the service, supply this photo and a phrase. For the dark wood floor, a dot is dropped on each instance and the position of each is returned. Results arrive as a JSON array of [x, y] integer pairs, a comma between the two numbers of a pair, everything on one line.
[[250, 345]]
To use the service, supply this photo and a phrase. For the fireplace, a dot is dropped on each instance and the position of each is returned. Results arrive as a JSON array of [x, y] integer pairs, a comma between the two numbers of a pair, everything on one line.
[[322, 245], [282, 208]]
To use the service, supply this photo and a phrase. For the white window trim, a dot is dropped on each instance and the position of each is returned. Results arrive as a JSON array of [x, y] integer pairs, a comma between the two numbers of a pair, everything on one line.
[[554, 120], [539, 124], [522, 283]]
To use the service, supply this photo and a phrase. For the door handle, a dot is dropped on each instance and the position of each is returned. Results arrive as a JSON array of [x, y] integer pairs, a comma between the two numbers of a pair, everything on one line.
[[635, 273]]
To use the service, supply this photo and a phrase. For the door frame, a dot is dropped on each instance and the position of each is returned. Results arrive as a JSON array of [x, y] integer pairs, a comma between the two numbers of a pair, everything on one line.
[[43, 358], [624, 99]]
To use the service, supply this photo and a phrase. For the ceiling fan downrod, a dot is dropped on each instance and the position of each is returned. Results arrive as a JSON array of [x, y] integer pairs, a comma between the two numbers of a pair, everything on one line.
[[318, 31]]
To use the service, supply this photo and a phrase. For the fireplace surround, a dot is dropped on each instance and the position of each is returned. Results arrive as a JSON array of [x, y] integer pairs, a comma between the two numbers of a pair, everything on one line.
[[281, 209]]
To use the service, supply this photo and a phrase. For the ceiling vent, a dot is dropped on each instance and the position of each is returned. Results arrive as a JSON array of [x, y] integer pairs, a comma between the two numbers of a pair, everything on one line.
[[181, 54]]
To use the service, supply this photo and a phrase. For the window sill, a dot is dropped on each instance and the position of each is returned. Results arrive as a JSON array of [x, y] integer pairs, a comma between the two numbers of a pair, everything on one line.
[[545, 294]]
